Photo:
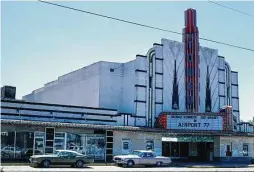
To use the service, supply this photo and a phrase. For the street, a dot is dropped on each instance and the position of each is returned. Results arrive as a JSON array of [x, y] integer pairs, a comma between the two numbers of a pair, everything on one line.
[[114, 168]]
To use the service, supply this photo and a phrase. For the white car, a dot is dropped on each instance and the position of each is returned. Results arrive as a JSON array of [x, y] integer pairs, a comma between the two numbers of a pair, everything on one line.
[[141, 157]]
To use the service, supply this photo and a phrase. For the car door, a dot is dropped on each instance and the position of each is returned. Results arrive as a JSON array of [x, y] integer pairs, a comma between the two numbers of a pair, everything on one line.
[[150, 158], [143, 159]]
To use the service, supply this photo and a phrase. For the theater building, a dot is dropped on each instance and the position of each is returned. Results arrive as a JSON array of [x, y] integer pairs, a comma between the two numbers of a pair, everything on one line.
[[179, 99]]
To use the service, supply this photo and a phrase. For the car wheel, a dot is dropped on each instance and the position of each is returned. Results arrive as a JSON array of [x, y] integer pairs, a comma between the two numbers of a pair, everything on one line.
[[158, 164], [130, 163], [45, 163], [79, 164]]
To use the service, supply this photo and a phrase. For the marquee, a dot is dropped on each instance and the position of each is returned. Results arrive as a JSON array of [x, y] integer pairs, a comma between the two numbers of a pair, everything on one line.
[[192, 121]]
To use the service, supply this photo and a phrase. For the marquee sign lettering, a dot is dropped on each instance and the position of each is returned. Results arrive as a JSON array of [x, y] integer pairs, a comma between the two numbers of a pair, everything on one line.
[[194, 122]]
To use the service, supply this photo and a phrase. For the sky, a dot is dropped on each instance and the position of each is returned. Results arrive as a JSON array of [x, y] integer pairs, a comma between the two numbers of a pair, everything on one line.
[[40, 42]]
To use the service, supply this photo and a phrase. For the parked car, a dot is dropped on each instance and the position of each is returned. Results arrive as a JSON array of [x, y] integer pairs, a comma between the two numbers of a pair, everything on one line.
[[61, 157], [27, 153], [141, 157]]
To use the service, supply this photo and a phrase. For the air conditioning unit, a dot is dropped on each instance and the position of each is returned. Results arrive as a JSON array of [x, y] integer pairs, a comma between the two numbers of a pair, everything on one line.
[[8, 92]]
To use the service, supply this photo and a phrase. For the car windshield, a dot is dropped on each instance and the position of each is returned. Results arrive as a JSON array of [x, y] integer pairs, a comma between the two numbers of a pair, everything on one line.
[[135, 153]]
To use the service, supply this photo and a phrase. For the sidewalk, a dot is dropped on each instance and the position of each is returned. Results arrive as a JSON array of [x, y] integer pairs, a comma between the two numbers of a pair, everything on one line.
[[214, 165], [174, 164]]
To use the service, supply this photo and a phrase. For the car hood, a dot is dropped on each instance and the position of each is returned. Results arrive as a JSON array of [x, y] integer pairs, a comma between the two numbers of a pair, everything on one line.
[[127, 156], [44, 156]]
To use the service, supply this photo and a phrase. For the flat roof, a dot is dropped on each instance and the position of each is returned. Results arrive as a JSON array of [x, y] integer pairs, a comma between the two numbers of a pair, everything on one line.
[[167, 132]]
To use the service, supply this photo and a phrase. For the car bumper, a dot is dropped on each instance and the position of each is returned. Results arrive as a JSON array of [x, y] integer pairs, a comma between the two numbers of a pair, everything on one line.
[[119, 162], [33, 162]]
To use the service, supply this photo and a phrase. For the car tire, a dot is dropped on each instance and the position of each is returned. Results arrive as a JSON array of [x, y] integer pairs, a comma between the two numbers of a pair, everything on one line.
[[45, 163], [79, 164], [159, 164], [130, 163]]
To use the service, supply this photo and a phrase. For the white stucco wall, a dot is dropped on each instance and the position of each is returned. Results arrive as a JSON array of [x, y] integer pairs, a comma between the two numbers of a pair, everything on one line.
[[137, 141], [237, 146], [110, 84], [80, 87]]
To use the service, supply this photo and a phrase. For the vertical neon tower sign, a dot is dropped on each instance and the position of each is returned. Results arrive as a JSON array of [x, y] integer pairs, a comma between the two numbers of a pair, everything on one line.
[[191, 45]]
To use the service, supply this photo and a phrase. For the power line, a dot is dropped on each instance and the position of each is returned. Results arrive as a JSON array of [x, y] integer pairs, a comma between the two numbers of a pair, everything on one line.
[[143, 25], [242, 12]]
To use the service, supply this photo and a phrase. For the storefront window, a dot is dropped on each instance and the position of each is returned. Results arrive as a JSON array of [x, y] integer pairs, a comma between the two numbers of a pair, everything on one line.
[[96, 146], [24, 145], [76, 142], [39, 142], [59, 141], [7, 145]]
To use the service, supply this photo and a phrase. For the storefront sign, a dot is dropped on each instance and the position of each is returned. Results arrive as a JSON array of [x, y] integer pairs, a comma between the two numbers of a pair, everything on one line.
[[194, 122], [169, 139], [188, 139]]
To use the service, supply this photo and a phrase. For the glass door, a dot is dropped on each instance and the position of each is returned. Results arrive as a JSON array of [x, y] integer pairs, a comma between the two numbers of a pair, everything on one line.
[[39, 139]]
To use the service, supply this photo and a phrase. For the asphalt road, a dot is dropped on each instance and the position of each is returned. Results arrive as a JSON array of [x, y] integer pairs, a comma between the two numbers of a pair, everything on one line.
[[114, 168]]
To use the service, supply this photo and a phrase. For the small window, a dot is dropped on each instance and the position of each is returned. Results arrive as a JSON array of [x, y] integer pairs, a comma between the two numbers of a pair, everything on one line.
[[189, 86], [189, 45], [149, 145], [125, 145], [190, 72], [189, 57], [245, 149]]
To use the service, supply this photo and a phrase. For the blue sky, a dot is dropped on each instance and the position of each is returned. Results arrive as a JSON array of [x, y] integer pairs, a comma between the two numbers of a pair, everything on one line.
[[41, 42]]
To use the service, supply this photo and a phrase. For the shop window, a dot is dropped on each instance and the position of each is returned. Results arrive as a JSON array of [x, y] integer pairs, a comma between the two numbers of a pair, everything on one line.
[[245, 149], [149, 145], [96, 146], [59, 141], [75, 142], [7, 145], [24, 145]]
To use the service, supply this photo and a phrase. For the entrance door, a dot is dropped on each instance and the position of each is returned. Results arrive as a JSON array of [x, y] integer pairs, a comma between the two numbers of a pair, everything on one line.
[[202, 151], [38, 143]]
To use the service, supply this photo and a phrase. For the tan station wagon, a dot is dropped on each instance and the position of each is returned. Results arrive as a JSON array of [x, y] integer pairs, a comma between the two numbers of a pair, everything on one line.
[[141, 157]]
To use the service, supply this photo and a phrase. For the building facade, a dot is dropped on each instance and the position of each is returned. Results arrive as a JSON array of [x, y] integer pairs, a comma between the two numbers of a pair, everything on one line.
[[171, 77], [179, 99]]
